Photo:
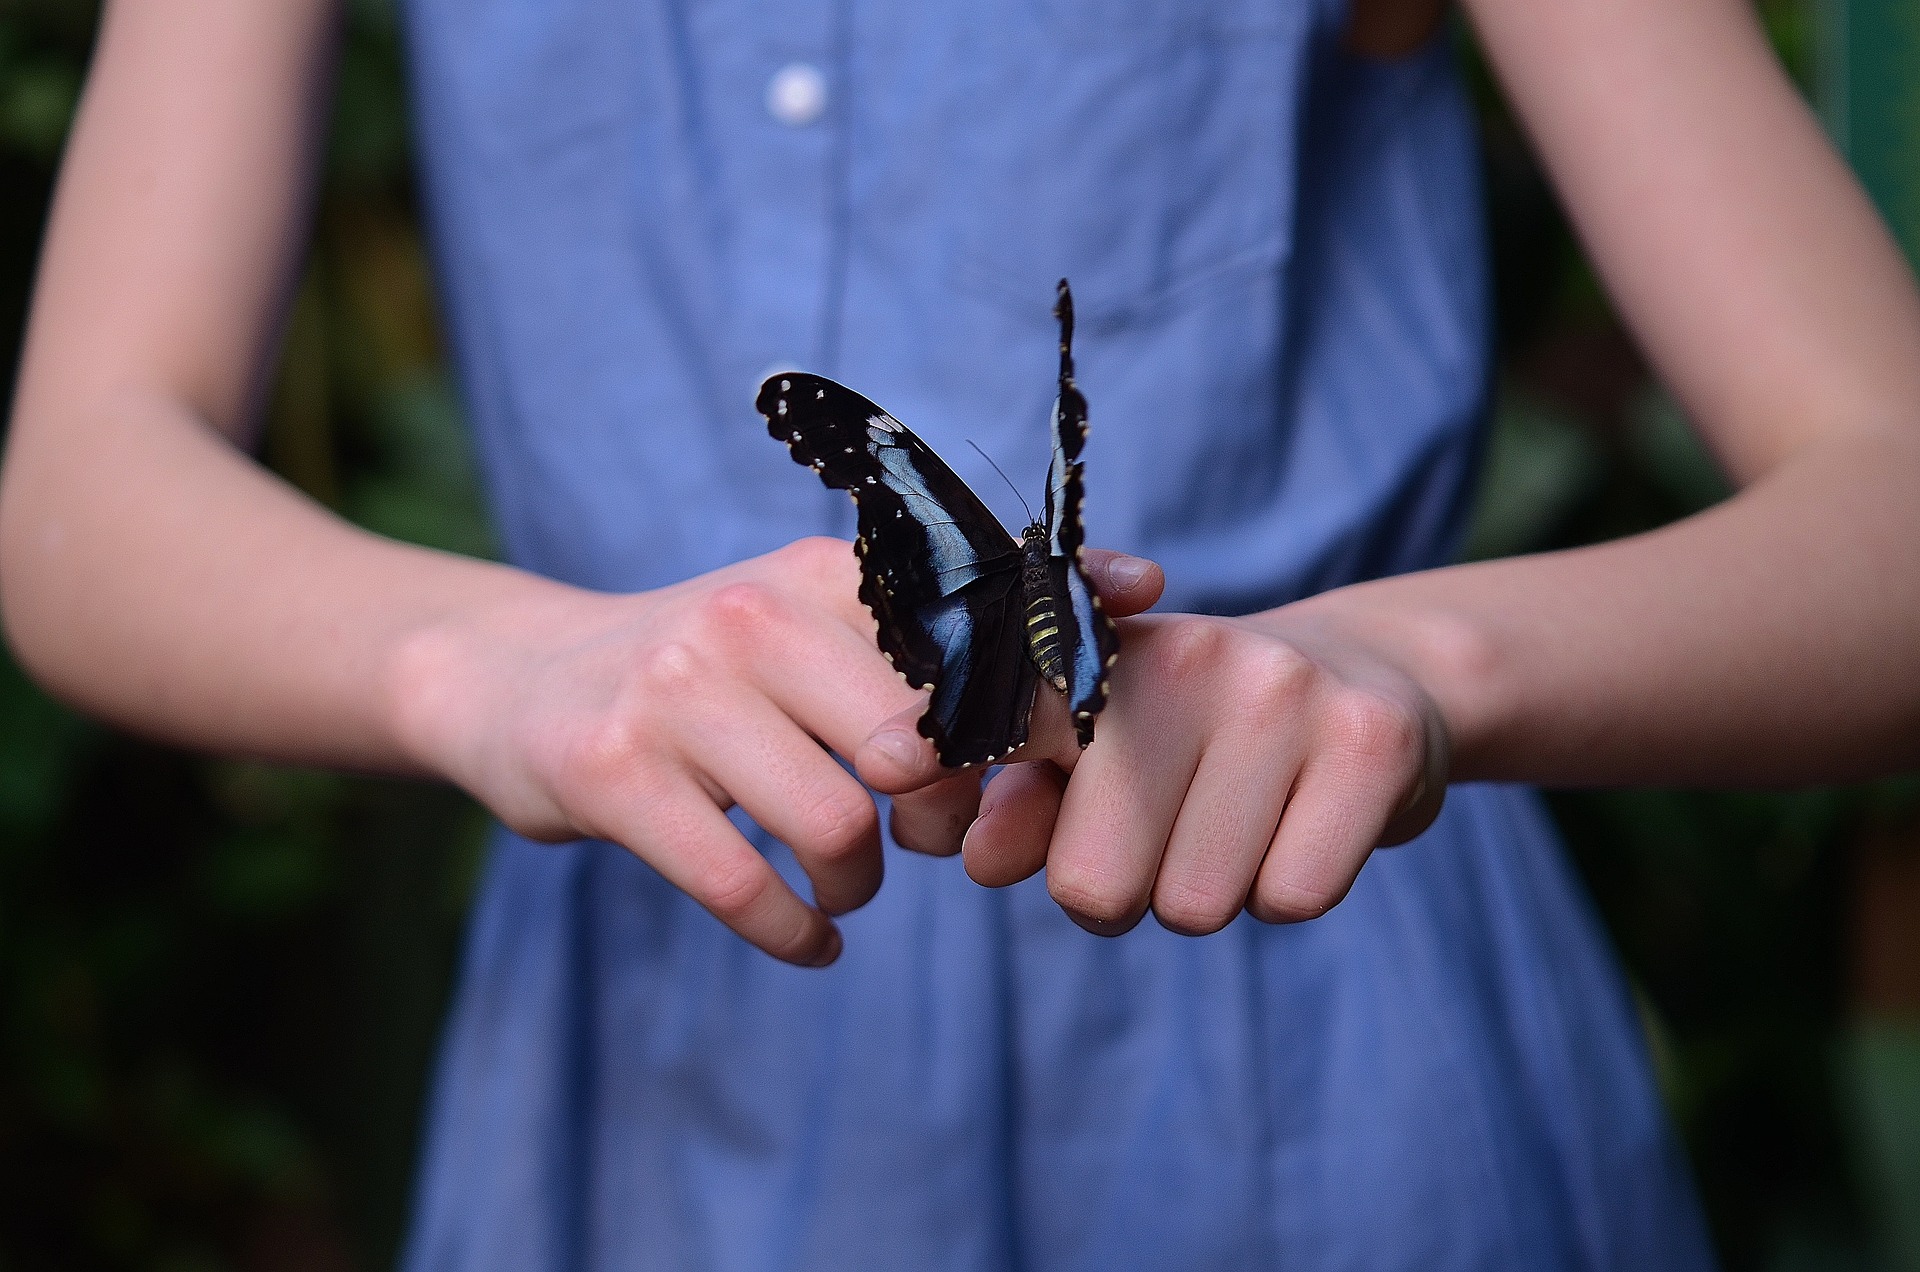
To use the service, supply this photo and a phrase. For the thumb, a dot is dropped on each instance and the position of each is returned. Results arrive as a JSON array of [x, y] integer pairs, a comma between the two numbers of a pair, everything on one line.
[[896, 758], [1127, 584]]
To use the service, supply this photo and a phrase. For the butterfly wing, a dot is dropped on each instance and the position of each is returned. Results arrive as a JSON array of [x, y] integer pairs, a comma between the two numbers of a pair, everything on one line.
[[1092, 642], [938, 570]]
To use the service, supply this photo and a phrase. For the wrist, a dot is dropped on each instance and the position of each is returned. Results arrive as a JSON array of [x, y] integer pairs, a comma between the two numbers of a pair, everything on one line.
[[1450, 655], [451, 679]]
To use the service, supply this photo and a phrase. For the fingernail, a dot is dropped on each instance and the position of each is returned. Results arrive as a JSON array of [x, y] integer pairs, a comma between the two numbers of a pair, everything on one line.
[[835, 943], [901, 747], [1127, 573]]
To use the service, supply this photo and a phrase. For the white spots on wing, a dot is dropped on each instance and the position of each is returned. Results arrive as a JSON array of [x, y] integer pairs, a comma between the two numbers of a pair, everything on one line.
[[786, 386], [847, 450], [780, 408], [819, 395], [899, 513], [872, 481], [796, 435]]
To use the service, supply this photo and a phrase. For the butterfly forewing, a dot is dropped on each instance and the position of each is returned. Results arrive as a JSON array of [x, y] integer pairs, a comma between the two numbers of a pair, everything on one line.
[[938, 570]]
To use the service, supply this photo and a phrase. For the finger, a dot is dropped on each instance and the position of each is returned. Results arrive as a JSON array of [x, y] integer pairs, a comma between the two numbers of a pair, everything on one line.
[[1230, 816], [821, 569], [934, 819], [1127, 584], [1008, 841], [1326, 832], [675, 827], [823, 675], [1367, 772], [1050, 733], [827, 677], [896, 757], [1423, 802], [783, 780], [1118, 809]]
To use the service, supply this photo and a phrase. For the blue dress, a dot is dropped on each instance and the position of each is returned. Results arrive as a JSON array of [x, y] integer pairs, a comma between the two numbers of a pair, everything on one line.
[[641, 206]]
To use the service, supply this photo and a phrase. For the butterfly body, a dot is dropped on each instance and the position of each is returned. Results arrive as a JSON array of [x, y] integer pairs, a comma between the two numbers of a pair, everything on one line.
[[962, 607], [1044, 643]]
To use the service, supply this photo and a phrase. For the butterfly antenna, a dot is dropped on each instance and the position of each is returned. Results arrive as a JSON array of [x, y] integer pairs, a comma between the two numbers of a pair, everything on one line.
[[1003, 477]]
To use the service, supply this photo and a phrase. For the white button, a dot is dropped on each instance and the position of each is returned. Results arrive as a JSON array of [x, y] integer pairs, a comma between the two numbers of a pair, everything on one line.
[[797, 94]]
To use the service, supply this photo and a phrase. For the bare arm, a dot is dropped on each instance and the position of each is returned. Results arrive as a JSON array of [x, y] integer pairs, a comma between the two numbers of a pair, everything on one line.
[[152, 574], [1773, 639]]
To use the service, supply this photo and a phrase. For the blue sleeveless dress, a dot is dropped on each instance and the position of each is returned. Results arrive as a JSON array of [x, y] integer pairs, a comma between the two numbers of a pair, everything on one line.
[[641, 206]]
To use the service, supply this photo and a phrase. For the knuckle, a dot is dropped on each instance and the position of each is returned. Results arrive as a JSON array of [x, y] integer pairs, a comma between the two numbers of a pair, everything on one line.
[[748, 611], [1091, 896], [670, 669], [1293, 900], [1274, 677], [601, 754], [838, 826], [1192, 647], [1193, 908], [1379, 729], [733, 889], [818, 556]]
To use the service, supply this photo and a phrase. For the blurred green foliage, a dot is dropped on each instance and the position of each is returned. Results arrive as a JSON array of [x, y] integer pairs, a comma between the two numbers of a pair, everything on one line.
[[1736, 913], [219, 981], [1872, 101]]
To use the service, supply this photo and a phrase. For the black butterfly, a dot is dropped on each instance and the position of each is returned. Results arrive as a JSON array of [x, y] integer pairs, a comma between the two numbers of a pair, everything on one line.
[[964, 609]]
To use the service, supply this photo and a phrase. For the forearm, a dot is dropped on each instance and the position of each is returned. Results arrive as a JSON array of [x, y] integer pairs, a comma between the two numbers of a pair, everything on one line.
[[150, 572], [1769, 640], [154, 576]]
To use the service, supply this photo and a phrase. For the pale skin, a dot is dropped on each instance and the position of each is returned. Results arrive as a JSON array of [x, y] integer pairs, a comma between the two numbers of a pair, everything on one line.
[[153, 574]]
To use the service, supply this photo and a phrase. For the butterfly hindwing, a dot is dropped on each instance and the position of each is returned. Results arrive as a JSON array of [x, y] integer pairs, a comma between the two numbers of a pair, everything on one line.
[[983, 697], [937, 569], [1092, 641]]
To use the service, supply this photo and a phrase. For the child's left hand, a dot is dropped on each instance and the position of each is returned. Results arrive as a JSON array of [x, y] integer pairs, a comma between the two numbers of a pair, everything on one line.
[[1240, 764]]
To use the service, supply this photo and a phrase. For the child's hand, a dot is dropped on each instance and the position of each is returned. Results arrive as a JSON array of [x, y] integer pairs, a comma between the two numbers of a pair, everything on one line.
[[1241, 763], [641, 718]]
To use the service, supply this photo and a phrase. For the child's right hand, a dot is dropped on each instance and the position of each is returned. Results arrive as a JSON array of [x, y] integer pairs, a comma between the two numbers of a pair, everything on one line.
[[641, 718]]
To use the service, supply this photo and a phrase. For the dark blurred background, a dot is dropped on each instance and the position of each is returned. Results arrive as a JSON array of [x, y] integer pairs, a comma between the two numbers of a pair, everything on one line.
[[220, 982]]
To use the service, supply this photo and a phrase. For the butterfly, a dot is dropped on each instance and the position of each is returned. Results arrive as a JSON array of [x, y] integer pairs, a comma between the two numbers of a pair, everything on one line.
[[963, 608]]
